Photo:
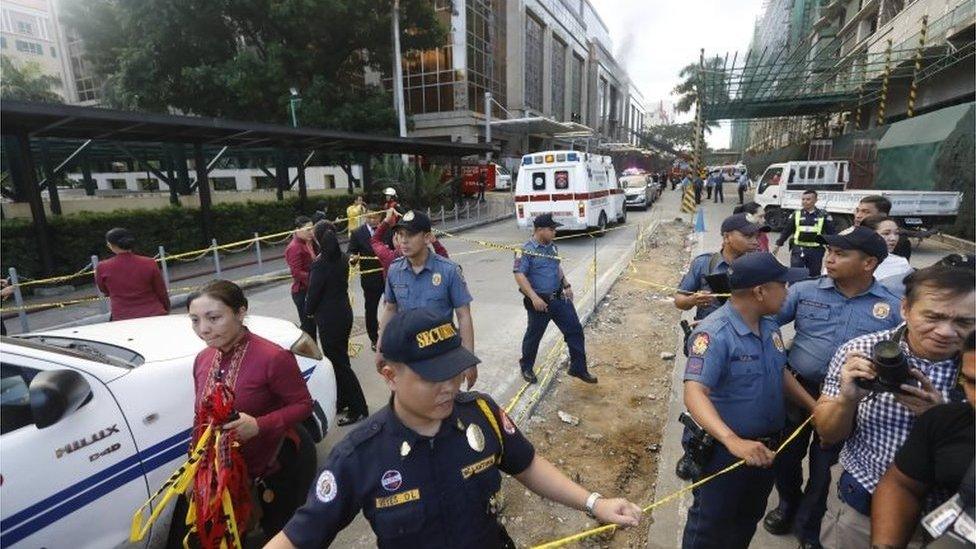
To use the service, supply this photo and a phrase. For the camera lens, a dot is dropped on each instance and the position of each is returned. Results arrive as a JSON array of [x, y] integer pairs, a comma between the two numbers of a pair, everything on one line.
[[891, 363]]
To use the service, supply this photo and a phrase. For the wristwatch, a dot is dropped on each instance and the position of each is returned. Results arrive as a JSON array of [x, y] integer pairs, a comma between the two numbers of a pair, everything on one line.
[[591, 502]]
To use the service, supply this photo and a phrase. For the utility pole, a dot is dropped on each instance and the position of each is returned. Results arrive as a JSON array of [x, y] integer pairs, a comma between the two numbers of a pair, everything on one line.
[[488, 124], [398, 71]]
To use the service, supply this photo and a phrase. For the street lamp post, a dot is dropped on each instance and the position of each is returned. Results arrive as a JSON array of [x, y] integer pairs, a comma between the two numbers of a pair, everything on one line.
[[293, 102], [398, 72]]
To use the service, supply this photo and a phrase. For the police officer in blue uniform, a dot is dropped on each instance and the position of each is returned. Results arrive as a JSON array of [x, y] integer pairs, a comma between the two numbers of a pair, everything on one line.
[[805, 225], [423, 279], [734, 386], [738, 238], [426, 470], [547, 296], [826, 313]]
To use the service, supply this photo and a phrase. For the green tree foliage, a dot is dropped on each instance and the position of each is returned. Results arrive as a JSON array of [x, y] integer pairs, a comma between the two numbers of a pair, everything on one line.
[[678, 136], [27, 82], [713, 78], [238, 58]]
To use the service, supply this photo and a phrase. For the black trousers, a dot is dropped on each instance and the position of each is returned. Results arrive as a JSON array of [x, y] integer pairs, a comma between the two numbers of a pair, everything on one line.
[[742, 193], [305, 323], [372, 298], [334, 325], [719, 193]]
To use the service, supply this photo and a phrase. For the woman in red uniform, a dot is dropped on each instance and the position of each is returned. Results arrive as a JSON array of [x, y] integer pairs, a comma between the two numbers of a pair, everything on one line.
[[268, 397], [133, 282]]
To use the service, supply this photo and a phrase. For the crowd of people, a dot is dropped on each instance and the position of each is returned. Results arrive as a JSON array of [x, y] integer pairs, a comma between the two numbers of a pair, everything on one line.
[[878, 363], [877, 382]]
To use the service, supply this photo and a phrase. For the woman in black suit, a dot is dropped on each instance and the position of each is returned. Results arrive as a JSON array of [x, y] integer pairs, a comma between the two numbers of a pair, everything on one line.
[[328, 302]]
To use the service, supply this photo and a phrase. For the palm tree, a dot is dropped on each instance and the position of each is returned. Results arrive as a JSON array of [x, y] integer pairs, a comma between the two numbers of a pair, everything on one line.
[[687, 89], [27, 83]]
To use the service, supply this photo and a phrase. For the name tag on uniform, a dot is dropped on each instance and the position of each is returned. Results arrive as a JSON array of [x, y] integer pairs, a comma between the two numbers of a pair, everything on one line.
[[398, 499], [745, 358], [814, 304], [477, 467]]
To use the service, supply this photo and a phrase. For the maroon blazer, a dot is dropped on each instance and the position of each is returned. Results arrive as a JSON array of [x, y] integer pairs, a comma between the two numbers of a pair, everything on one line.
[[299, 256], [270, 388], [135, 285]]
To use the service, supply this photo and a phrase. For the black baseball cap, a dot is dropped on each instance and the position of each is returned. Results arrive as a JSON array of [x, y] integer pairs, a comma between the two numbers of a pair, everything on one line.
[[741, 222], [857, 238], [545, 220], [414, 221], [428, 343], [755, 268]]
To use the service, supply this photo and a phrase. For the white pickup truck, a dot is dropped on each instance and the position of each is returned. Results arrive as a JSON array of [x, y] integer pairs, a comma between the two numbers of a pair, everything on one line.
[[781, 186]]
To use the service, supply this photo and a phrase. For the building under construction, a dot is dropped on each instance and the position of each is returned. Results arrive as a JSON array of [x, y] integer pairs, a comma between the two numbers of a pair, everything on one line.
[[887, 84]]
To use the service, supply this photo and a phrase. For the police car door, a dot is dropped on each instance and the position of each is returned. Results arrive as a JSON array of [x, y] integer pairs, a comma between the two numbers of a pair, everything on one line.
[[72, 484]]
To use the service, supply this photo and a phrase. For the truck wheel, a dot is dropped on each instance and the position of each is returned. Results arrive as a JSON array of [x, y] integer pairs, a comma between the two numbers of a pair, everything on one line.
[[601, 227], [623, 215], [777, 218], [842, 221]]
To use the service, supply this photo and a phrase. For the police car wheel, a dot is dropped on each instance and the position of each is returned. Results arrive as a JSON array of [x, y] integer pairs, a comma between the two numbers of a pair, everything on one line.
[[623, 215], [601, 227]]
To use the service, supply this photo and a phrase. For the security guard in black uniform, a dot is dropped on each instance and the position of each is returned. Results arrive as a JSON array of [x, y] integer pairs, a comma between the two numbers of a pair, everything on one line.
[[806, 224], [425, 470]]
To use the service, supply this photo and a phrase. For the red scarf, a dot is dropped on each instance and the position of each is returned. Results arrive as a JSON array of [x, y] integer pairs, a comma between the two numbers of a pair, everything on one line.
[[222, 467]]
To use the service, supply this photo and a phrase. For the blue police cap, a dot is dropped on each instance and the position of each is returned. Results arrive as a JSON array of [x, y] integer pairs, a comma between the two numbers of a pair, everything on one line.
[[545, 220], [755, 268], [428, 343], [857, 238], [414, 221], [743, 223]]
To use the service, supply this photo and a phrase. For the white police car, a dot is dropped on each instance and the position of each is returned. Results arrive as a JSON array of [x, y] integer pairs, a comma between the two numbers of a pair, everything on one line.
[[95, 418]]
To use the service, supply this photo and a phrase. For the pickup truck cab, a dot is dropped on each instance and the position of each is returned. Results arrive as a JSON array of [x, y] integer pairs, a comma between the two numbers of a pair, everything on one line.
[[782, 185], [95, 418]]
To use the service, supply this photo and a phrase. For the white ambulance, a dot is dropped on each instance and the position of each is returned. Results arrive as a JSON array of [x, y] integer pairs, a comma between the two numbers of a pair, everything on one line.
[[579, 189]]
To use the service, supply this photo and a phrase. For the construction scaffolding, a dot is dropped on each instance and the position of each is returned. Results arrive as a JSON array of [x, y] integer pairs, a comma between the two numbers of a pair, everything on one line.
[[827, 73]]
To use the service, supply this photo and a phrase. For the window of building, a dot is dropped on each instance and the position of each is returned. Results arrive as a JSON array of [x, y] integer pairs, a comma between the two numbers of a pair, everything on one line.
[[29, 47], [3, 42], [533, 62], [576, 90], [224, 183], [117, 184], [263, 182], [601, 101], [485, 53], [25, 27], [558, 79], [148, 184], [54, 52]]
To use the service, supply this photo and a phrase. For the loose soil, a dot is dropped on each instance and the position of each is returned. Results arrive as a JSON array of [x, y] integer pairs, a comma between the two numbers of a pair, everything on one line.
[[614, 448]]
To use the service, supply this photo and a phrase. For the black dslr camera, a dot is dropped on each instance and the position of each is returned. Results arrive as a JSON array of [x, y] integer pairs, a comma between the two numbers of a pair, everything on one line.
[[891, 366], [698, 450]]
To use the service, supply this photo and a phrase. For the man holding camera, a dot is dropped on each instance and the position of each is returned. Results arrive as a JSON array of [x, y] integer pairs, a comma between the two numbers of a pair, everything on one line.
[[939, 312], [826, 312], [734, 386]]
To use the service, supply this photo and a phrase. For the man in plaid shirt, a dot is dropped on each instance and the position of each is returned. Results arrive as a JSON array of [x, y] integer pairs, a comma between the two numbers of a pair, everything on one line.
[[939, 312]]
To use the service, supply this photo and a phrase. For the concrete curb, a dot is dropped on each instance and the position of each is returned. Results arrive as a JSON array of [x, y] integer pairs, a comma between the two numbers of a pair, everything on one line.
[[607, 281], [179, 300]]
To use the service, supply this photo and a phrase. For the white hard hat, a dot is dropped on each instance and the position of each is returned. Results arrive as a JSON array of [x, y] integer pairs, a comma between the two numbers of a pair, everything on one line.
[[389, 191]]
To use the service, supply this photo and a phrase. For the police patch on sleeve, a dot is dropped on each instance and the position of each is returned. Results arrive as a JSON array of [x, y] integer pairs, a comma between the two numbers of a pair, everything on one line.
[[700, 344], [881, 310], [325, 487], [694, 365]]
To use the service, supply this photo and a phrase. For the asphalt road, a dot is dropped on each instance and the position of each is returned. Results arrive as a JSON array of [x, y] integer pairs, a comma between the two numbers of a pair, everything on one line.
[[499, 318]]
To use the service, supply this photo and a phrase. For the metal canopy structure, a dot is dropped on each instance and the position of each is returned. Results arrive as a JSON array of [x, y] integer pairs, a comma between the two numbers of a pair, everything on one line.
[[69, 121], [830, 73], [65, 135]]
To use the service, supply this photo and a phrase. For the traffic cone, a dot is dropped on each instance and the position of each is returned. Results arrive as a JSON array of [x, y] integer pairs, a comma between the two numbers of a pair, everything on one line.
[[699, 221]]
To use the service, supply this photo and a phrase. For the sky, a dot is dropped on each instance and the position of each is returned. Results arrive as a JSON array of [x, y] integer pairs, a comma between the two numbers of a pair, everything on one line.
[[653, 39]]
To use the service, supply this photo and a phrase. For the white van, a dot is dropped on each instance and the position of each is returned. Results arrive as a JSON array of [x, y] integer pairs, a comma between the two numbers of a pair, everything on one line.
[[579, 189]]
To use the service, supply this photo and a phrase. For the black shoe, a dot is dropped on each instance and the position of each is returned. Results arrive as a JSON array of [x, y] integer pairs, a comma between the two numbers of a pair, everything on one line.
[[810, 545], [777, 522], [372, 347], [529, 376], [350, 419], [585, 376]]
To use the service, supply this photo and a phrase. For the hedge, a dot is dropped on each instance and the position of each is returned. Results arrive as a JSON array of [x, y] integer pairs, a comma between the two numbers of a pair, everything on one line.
[[75, 238]]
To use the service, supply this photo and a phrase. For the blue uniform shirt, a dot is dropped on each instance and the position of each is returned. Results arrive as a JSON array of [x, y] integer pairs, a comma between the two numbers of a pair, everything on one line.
[[439, 285], [694, 280], [417, 491], [542, 272], [824, 320], [743, 372]]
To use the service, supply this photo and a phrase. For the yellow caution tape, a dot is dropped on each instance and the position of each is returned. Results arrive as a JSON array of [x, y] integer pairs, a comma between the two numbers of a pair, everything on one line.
[[176, 484], [611, 527]]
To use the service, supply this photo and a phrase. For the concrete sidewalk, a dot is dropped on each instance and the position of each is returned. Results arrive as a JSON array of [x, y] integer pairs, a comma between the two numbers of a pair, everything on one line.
[[185, 275]]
